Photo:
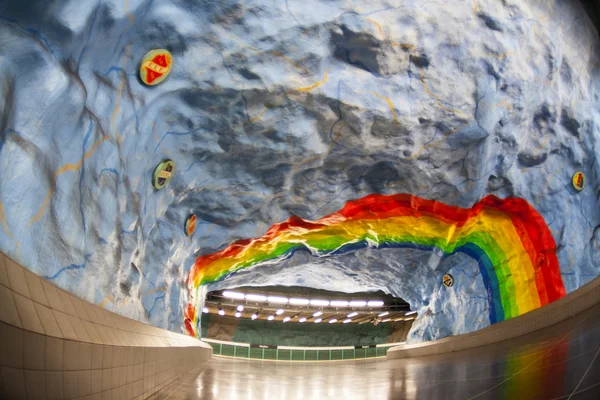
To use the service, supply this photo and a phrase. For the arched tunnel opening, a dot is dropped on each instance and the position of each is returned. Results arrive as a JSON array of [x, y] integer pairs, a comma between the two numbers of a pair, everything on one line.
[[301, 316], [460, 269]]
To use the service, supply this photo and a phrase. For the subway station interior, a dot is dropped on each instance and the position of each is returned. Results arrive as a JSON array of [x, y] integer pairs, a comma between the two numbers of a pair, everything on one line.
[[284, 199]]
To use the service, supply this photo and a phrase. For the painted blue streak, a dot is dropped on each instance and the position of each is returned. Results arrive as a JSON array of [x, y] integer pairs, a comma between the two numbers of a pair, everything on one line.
[[172, 133], [60, 271], [108, 170]]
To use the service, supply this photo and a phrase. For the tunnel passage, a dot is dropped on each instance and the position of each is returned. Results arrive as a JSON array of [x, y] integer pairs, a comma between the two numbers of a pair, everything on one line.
[[508, 240]]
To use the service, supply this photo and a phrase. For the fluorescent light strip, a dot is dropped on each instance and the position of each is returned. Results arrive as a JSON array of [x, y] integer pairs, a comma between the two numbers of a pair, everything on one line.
[[302, 319], [331, 321], [205, 310], [299, 302], [383, 314], [286, 319], [279, 312], [238, 314], [352, 314], [358, 303], [319, 302], [375, 303], [221, 312], [233, 295], [318, 313], [339, 303], [386, 320], [271, 317], [410, 313], [254, 316], [318, 320], [240, 308], [256, 297], [277, 299], [347, 320]]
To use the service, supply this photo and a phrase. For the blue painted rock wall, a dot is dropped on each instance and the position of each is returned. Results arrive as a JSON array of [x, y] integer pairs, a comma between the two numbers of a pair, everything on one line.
[[275, 108]]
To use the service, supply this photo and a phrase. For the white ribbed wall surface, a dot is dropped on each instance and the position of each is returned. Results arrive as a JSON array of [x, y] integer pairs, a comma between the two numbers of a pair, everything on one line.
[[54, 345]]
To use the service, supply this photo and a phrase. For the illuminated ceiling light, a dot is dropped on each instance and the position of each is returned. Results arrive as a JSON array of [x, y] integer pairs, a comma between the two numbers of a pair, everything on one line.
[[233, 295], [286, 319], [280, 311], [238, 314], [410, 312], [299, 302], [364, 322], [338, 303], [375, 303], [318, 320], [240, 308], [271, 317], [302, 319], [221, 311], [331, 321], [205, 310], [254, 316], [318, 313], [383, 314], [277, 299], [386, 320], [347, 320], [352, 314], [358, 303], [319, 302], [256, 297]]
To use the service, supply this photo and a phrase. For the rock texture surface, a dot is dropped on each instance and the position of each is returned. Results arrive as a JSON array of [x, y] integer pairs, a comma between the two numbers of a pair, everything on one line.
[[279, 108]]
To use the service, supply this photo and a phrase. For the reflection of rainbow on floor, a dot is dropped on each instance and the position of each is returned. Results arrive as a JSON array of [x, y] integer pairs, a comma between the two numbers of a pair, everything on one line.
[[508, 238]]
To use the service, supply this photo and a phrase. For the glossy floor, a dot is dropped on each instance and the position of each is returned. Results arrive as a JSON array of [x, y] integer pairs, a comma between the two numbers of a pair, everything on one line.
[[561, 362]]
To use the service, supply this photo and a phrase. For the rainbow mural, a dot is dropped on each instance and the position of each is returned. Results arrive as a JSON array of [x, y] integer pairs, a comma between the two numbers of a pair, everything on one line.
[[508, 238]]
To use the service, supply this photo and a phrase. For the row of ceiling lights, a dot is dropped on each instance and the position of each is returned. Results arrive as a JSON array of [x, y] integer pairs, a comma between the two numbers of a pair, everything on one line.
[[301, 302], [317, 314]]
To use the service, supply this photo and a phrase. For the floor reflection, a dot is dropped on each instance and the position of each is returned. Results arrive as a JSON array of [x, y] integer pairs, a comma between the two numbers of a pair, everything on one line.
[[557, 363]]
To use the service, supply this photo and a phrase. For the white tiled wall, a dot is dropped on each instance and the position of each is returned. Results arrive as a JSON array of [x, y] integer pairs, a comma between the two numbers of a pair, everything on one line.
[[54, 345]]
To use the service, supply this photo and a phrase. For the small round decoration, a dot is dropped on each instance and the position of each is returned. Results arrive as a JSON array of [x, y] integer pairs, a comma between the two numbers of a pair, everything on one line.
[[156, 66], [448, 280], [163, 173], [190, 225], [579, 181]]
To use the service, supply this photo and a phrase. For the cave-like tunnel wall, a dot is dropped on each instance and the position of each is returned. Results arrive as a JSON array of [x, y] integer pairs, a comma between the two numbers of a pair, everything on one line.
[[280, 108]]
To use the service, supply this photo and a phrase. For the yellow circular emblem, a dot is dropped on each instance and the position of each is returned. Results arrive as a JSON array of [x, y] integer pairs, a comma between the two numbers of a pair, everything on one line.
[[156, 66], [579, 181]]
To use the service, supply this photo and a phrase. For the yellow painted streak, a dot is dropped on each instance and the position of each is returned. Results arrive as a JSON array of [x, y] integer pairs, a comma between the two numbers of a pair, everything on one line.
[[378, 26], [416, 154], [389, 103], [541, 146], [429, 92], [150, 291], [300, 89], [403, 45], [131, 17], [502, 55], [295, 64], [64, 168], [497, 225], [105, 300], [5, 226]]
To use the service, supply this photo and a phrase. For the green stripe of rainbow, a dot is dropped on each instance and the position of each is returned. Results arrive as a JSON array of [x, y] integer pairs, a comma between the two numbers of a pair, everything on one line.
[[508, 238]]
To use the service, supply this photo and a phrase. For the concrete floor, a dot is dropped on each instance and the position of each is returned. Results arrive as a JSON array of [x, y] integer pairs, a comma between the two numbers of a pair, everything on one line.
[[560, 362]]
